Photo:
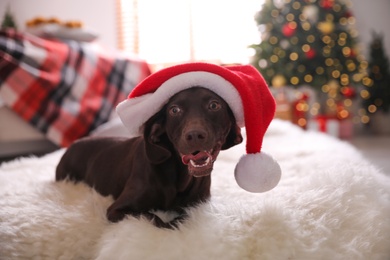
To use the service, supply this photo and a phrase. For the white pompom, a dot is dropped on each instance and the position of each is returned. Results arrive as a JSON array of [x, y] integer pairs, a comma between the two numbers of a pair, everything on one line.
[[257, 172]]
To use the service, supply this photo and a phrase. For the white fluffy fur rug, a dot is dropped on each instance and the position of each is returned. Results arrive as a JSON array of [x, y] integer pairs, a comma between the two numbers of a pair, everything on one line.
[[330, 204]]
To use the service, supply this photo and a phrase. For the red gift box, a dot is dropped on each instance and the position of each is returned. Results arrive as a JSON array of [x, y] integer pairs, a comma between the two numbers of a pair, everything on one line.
[[341, 128]]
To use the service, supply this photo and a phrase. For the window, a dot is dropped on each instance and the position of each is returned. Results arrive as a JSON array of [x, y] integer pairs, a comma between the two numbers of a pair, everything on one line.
[[173, 31]]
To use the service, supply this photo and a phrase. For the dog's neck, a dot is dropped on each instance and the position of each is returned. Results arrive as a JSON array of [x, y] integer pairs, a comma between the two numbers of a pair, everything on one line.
[[185, 183]]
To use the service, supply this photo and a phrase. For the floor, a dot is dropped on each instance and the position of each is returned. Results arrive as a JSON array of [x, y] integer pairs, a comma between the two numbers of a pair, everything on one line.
[[376, 148]]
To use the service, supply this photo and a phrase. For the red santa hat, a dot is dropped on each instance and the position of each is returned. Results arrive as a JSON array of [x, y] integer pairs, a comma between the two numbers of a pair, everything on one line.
[[244, 90]]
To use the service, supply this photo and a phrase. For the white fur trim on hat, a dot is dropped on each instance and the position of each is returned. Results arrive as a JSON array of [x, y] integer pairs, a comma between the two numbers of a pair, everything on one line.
[[257, 172], [134, 112]]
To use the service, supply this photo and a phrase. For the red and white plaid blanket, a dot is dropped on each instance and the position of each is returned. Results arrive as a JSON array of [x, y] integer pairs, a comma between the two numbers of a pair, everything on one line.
[[64, 89]]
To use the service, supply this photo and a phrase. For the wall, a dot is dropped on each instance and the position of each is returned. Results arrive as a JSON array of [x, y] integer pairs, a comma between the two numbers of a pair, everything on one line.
[[99, 15]]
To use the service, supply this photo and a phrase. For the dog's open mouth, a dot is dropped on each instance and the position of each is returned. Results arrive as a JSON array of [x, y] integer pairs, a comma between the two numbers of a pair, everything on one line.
[[200, 163]]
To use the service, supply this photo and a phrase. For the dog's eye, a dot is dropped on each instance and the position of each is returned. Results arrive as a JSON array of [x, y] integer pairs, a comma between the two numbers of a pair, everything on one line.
[[214, 105], [174, 110]]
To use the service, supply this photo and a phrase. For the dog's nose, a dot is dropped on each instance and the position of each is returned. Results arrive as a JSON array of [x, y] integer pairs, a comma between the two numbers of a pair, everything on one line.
[[196, 136]]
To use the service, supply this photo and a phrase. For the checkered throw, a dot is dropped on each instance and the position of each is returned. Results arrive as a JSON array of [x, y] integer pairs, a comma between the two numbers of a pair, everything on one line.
[[64, 89]]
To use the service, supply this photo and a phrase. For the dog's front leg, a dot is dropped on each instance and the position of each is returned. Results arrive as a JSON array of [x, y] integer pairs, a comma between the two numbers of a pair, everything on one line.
[[115, 215], [132, 202], [123, 206]]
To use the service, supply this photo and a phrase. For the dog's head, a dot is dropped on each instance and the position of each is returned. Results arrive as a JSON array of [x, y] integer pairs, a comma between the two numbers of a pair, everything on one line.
[[197, 124]]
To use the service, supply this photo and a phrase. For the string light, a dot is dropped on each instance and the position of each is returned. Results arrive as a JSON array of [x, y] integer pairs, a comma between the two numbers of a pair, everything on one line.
[[273, 40], [293, 25], [302, 106], [302, 122], [351, 66], [341, 42], [306, 26], [343, 114], [344, 79], [263, 63], [326, 39], [274, 58], [296, 5], [332, 94], [313, 112], [372, 108], [365, 119], [346, 51], [335, 74], [337, 8], [343, 35], [367, 81], [310, 38], [347, 102], [278, 51], [308, 78], [357, 77], [364, 64], [290, 17], [343, 21], [294, 56], [306, 47], [351, 20], [294, 80], [274, 13], [330, 102], [329, 62], [325, 88], [329, 17], [364, 94]]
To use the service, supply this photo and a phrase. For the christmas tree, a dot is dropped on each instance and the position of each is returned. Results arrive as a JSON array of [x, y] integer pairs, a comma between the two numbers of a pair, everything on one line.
[[310, 43], [8, 20], [377, 94]]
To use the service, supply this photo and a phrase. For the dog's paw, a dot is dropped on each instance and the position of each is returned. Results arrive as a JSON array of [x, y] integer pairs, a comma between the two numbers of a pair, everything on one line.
[[161, 224], [115, 215], [158, 222]]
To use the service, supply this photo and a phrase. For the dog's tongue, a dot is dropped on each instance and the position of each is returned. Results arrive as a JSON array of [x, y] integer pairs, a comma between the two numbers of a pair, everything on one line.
[[198, 158]]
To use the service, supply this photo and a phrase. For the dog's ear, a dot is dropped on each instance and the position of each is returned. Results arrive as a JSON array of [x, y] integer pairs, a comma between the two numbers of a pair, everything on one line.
[[233, 138], [156, 145]]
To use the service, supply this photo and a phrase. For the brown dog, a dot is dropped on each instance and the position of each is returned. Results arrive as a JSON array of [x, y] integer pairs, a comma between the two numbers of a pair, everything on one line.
[[168, 168]]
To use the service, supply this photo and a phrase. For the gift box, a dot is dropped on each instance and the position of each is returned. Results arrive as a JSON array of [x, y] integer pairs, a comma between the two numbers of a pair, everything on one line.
[[340, 128]]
